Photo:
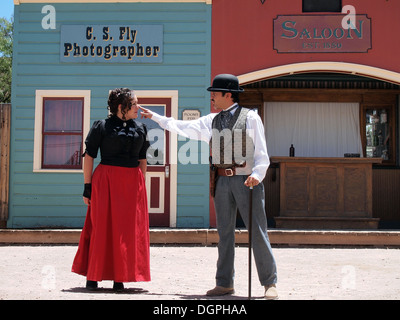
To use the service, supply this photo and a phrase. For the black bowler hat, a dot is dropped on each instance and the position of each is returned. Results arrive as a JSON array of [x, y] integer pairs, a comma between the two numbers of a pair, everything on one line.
[[225, 83]]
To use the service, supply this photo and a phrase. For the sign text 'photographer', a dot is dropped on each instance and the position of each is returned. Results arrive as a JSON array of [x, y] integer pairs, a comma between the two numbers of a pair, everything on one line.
[[111, 43]]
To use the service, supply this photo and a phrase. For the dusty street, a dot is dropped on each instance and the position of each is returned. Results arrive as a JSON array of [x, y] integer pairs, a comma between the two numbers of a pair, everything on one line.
[[187, 272]]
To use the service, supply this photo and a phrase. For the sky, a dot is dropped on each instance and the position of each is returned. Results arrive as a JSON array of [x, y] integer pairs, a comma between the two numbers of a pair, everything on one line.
[[6, 9]]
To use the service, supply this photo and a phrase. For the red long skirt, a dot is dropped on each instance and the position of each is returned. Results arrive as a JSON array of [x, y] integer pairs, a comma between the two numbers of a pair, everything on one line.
[[115, 241]]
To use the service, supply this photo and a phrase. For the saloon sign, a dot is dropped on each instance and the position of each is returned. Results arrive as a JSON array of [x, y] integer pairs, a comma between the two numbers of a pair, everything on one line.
[[321, 33]]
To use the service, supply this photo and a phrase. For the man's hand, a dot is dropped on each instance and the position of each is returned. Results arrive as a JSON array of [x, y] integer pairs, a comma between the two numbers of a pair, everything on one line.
[[145, 113], [251, 182]]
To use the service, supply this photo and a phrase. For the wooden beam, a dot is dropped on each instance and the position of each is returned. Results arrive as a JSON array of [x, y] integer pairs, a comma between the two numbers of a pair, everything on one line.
[[5, 121]]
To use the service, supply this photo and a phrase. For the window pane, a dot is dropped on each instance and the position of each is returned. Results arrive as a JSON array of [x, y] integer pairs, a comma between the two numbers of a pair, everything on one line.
[[322, 6], [63, 115], [316, 129], [62, 150], [378, 134]]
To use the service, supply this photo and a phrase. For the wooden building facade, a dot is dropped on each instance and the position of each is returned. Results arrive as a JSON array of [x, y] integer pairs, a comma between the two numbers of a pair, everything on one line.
[[304, 67], [69, 54], [323, 75]]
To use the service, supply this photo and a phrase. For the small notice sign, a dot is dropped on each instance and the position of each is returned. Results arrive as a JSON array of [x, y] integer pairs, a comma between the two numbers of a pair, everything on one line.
[[190, 114]]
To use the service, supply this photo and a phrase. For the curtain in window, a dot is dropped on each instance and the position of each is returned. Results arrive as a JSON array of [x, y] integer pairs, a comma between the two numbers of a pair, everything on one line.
[[62, 150], [314, 129], [62, 129], [63, 116]]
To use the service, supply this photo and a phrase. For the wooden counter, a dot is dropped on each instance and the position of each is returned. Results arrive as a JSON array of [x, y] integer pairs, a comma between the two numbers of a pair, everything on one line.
[[325, 193]]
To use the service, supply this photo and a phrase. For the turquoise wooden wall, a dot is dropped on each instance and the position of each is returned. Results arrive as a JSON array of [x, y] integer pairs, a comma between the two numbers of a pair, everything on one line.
[[55, 199]]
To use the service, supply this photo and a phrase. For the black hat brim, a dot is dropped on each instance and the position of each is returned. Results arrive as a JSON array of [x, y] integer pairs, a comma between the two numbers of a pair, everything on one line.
[[225, 90]]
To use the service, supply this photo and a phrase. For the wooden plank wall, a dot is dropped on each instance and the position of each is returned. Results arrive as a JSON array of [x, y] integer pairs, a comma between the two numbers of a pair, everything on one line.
[[386, 198], [5, 112], [385, 194], [272, 191], [54, 199]]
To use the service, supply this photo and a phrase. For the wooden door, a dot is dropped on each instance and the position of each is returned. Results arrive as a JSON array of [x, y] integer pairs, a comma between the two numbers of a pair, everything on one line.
[[158, 163]]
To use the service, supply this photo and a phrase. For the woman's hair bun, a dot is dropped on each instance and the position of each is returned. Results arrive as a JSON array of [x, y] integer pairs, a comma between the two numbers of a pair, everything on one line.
[[119, 96]]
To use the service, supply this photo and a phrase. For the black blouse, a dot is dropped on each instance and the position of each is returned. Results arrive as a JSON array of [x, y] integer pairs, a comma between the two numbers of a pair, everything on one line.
[[121, 143]]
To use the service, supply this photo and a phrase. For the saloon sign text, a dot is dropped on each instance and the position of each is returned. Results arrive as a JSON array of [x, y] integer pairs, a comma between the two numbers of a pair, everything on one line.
[[321, 33]]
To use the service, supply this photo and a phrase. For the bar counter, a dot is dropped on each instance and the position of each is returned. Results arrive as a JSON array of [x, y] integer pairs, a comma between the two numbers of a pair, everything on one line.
[[325, 193]]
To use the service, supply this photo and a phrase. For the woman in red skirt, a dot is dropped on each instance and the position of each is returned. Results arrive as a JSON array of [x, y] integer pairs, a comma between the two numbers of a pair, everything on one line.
[[114, 243]]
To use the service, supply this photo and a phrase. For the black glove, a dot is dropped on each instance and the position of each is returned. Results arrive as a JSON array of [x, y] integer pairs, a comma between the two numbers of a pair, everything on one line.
[[87, 191]]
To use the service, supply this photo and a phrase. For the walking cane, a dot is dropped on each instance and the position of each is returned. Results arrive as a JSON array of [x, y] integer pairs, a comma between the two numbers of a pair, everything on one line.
[[250, 234]]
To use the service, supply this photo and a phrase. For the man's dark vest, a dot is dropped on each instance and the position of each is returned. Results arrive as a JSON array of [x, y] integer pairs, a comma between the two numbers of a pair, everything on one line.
[[231, 140]]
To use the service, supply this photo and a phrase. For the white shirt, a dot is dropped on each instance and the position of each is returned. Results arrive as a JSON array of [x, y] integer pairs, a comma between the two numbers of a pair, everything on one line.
[[201, 129]]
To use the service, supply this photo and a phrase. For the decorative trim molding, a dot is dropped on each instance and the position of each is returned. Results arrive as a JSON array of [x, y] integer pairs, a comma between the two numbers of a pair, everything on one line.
[[326, 66], [18, 2]]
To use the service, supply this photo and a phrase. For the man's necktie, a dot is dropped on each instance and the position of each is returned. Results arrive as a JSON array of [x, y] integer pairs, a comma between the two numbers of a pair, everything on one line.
[[226, 117]]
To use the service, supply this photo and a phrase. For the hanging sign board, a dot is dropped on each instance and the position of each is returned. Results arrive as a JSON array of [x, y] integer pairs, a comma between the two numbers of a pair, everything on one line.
[[321, 33], [190, 114], [111, 43]]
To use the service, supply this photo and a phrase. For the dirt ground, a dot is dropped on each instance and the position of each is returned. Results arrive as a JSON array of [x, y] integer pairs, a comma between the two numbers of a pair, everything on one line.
[[187, 272]]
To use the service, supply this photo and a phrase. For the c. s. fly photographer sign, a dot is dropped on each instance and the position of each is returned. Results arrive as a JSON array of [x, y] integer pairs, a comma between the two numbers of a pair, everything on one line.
[[111, 43]]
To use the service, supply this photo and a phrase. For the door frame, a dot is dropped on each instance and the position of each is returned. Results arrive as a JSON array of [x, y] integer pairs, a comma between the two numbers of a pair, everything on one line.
[[173, 143]]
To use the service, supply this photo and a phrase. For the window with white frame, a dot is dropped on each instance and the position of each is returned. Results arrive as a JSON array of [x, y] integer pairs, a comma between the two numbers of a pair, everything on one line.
[[61, 123]]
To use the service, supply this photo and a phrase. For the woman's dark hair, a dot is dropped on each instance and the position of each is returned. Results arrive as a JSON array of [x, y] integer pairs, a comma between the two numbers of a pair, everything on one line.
[[120, 96]]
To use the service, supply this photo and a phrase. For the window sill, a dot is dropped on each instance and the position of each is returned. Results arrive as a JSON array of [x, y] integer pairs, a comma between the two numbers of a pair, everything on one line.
[[58, 170]]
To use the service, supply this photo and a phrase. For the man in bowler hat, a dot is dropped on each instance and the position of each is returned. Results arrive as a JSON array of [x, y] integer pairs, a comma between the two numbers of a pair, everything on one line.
[[235, 175]]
